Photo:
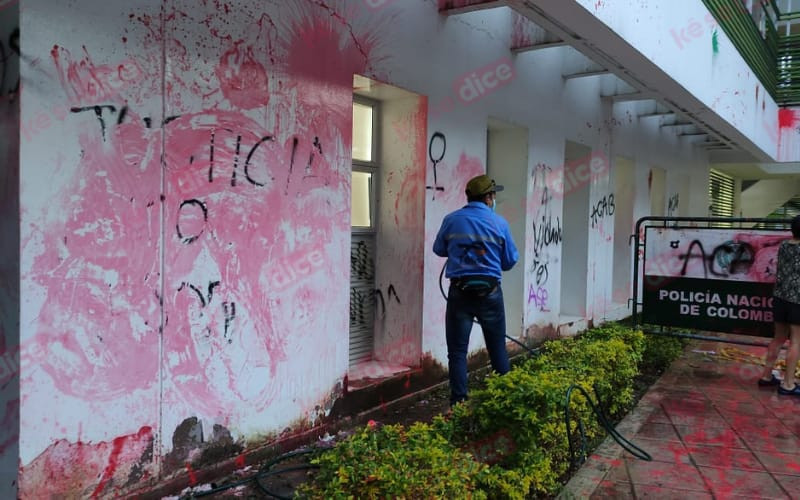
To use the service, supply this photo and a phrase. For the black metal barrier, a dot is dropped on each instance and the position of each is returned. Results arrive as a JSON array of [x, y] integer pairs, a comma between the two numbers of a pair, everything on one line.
[[706, 274]]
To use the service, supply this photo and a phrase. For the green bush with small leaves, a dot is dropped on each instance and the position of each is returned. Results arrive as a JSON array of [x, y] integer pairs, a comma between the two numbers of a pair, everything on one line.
[[393, 462], [660, 351], [510, 439]]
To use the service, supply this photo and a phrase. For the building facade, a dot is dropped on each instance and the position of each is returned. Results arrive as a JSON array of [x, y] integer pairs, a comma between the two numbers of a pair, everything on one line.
[[218, 216]]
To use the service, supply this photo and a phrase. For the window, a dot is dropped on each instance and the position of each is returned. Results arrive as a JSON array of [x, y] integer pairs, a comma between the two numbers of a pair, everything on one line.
[[362, 131], [364, 165], [720, 194], [363, 225]]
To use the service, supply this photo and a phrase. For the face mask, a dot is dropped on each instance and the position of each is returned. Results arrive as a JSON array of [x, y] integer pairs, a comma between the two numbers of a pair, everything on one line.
[[494, 204]]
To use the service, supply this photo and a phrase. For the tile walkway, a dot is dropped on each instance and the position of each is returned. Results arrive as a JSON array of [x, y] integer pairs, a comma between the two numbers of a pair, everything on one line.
[[712, 433]]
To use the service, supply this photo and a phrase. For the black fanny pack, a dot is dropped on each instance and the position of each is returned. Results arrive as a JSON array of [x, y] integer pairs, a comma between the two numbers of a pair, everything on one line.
[[479, 285]]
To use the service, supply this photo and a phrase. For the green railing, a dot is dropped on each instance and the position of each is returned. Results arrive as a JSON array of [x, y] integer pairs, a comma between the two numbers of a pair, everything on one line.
[[773, 57]]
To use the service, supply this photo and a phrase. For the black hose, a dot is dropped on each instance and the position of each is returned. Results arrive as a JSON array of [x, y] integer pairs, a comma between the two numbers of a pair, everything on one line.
[[262, 473], [619, 438], [532, 352]]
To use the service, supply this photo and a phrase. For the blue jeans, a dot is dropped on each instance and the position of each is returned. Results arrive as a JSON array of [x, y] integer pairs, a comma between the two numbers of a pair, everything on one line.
[[462, 307]]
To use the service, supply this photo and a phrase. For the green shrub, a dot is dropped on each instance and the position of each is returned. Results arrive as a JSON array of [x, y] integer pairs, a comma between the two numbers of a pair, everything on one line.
[[393, 462], [509, 440], [660, 351]]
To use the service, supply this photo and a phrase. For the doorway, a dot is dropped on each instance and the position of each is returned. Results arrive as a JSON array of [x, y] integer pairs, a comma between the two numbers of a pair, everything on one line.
[[575, 250], [506, 163]]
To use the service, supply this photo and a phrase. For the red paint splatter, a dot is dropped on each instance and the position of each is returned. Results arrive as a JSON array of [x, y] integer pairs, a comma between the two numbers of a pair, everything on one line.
[[63, 466], [117, 446], [243, 80], [84, 81], [240, 460], [787, 118], [192, 475]]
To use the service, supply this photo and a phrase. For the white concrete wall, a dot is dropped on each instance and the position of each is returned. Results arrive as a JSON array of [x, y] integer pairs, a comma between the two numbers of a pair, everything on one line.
[[678, 37], [398, 327], [508, 164], [124, 364], [767, 195]]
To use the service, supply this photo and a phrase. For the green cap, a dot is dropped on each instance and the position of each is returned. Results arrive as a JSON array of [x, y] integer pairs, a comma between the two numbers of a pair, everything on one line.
[[483, 184]]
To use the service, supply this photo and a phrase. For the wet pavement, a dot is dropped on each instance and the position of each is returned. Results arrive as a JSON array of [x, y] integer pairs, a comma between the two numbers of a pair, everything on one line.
[[712, 433]]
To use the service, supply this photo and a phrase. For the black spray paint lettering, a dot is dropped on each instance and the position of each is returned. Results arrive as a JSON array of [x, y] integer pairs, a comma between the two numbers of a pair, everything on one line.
[[603, 208], [546, 229], [672, 203], [436, 159], [120, 116], [230, 315], [732, 257], [316, 148], [379, 298], [361, 262], [187, 239], [203, 300], [248, 163], [228, 308]]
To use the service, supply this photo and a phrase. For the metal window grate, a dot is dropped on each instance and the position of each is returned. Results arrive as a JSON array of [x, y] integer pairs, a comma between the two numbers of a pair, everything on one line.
[[721, 189], [362, 297]]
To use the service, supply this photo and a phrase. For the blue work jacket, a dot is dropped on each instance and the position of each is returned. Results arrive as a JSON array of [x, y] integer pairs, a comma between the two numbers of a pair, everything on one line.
[[476, 241]]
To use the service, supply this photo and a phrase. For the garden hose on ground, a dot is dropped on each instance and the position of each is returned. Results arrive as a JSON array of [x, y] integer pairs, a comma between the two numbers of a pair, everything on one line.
[[532, 352], [619, 438], [264, 472]]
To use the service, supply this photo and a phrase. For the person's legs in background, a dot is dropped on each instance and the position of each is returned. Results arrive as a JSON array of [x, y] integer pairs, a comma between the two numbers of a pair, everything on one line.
[[458, 323], [792, 355], [774, 348], [492, 318]]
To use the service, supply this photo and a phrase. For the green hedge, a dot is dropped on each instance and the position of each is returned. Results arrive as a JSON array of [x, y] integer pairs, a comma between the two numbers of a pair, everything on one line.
[[509, 440]]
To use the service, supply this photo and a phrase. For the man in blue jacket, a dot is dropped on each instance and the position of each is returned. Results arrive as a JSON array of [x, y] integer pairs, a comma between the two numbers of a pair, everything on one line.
[[478, 245]]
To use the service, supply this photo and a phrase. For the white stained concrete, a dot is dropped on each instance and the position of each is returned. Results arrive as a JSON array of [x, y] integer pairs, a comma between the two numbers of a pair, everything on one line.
[[682, 39]]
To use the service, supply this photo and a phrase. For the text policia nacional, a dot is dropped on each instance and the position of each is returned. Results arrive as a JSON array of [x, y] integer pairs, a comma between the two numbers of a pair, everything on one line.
[[744, 307]]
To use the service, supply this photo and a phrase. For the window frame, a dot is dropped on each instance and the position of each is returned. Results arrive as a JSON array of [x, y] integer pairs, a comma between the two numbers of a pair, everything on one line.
[[370, 167]]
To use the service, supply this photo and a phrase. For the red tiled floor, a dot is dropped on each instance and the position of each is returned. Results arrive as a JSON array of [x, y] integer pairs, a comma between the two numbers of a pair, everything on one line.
[[780, 463], [610, 489], [730, 458], [790, 483], [726, 483], [689, 407], [710, 436], [712, 431], [751, 407], [654, 492], [663, 451], [618, 474], [757, 441], [665, 475], [793, 424], [658, 431], [769, 425], [657, 416], [705, 420], [730, 397]]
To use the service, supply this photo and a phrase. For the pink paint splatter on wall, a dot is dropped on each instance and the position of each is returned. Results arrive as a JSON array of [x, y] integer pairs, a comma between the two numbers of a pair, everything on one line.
[[242, 78], [86, 81], [99, 271]]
